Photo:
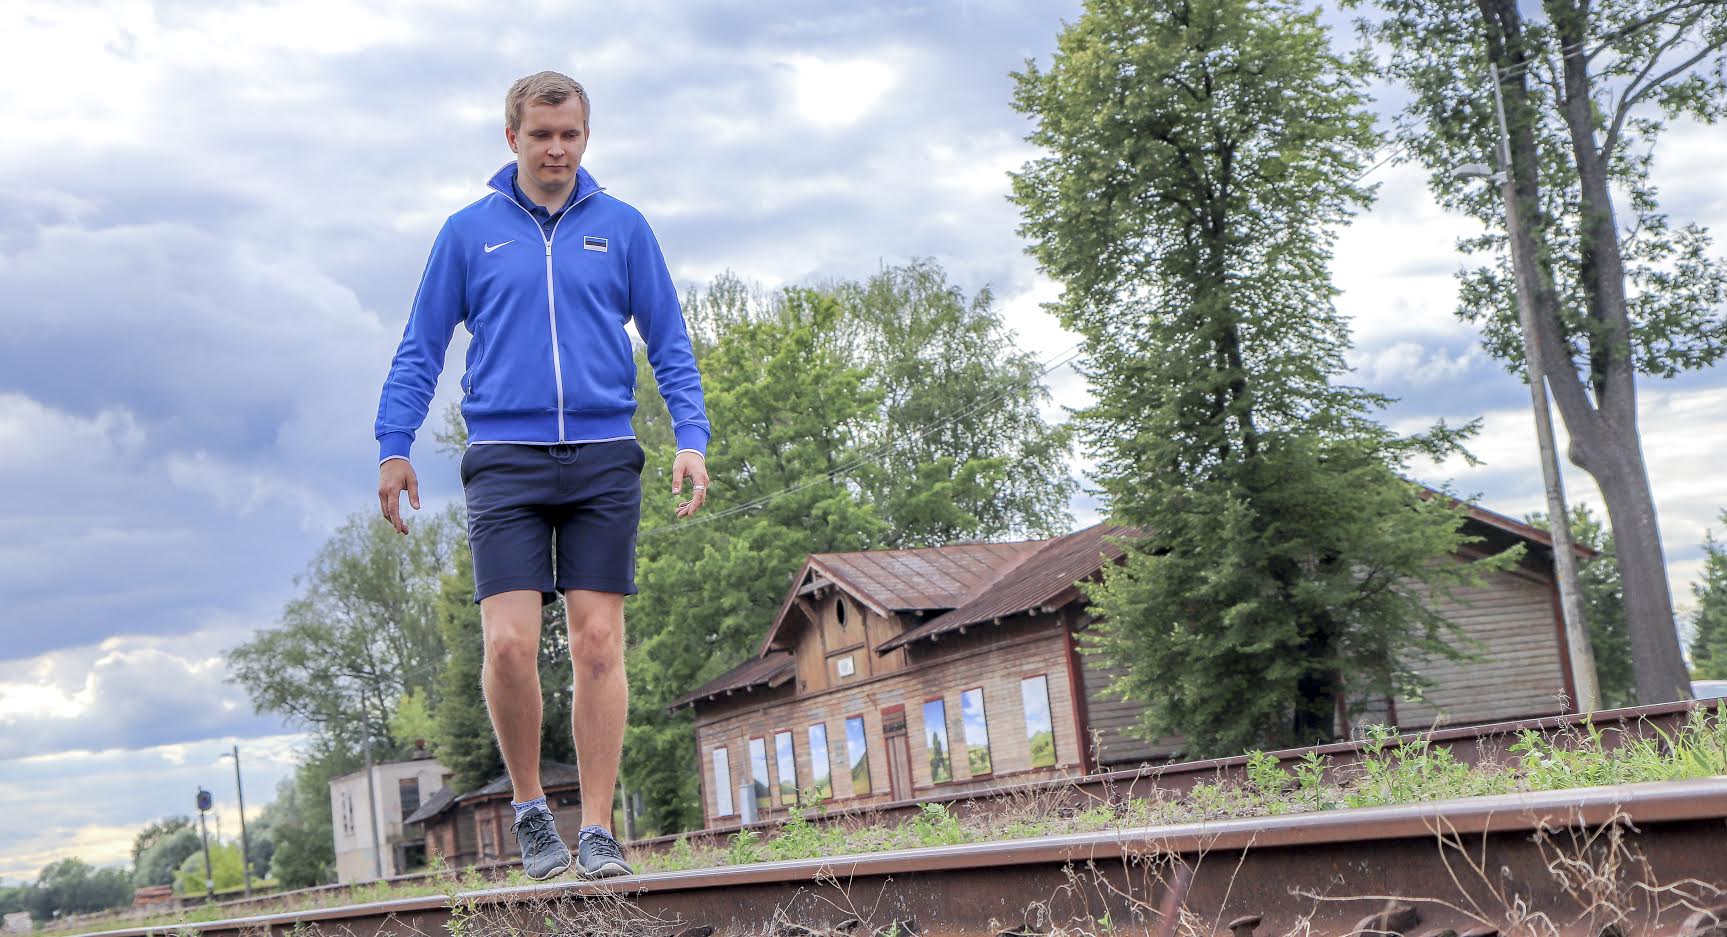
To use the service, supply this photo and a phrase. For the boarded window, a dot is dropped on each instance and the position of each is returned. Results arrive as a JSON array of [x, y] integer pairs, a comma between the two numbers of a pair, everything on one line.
[[1039, 727], [821, 779], [935, 740], [722, 783], [409, 790], [759, 772], [785, 760], [857, 753], [976, 732]]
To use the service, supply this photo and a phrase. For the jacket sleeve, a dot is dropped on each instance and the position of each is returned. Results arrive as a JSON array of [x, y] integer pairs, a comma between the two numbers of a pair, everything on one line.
[[439, 304], [660, 319]]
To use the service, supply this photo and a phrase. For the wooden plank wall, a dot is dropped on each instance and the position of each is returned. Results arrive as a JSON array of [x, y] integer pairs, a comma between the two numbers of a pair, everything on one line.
[[1519, 673]]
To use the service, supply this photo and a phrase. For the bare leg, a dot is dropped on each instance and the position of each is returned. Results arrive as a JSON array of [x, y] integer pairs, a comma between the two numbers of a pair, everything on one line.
[[601, 698], [511, 678]]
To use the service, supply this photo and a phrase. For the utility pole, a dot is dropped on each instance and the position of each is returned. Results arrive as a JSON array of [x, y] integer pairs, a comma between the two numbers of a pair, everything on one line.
[[245, 845], [372, 808], [1558, 517]]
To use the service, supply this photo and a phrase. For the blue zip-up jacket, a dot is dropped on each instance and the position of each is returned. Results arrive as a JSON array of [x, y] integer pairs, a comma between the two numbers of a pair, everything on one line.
[[550, 361]]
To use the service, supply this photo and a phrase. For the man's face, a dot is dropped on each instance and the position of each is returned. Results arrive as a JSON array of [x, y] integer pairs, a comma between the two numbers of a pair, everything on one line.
[[550, 143]]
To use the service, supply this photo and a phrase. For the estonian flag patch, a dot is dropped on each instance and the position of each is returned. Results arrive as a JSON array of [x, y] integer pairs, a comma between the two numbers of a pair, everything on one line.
[[591, 243]]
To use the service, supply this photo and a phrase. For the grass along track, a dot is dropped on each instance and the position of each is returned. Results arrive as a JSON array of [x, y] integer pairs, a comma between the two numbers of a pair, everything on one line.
[[1646, 859]]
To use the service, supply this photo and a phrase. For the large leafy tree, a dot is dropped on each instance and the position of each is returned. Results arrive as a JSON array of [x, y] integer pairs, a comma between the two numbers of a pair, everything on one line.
[[362, 635], [156, 864], [73, 886], [1709, 619], [1588, 89], [299, 817], [966, 452], [1200, 156], [886, 412]]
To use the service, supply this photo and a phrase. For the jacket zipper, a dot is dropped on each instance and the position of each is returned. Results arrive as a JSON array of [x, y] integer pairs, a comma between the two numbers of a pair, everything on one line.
[[551, 297]]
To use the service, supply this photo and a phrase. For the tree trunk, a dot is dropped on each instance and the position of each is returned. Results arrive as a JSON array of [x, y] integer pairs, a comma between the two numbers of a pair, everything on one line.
[[1656, 662], [1605, 441]]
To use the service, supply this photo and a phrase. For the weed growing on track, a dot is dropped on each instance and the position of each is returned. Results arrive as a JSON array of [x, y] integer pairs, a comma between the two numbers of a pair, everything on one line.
[[1392, 770]]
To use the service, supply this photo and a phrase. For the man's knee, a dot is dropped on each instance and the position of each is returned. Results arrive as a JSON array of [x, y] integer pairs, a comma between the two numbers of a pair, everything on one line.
[[596, 624], [512, 632]]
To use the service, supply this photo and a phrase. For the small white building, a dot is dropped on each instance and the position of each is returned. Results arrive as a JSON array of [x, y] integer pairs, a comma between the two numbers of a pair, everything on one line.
[[361, 817], [18, 922]]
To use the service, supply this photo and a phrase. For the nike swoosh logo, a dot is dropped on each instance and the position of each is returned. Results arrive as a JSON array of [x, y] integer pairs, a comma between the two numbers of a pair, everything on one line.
[[493, 247]]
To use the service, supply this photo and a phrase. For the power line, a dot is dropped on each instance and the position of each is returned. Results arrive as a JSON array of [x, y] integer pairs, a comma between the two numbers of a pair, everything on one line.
[[868, 456]]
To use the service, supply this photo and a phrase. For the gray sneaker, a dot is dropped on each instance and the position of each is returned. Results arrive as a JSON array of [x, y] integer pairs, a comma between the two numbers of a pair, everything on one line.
[[599, 855], [543, 853]]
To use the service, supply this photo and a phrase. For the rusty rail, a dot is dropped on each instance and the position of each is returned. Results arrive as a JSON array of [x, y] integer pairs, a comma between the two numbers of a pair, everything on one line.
[[1648, 859]]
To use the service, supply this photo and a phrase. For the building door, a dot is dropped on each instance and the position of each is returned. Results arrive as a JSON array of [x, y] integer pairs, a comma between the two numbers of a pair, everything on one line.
[[898, 752]]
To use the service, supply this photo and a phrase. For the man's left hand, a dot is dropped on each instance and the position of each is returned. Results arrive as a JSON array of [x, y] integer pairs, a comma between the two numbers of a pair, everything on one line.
[[692, 465]]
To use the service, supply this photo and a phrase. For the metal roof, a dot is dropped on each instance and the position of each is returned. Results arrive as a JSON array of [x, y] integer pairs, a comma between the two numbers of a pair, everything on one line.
[[771, 670], [1038, 578], [927, 577]]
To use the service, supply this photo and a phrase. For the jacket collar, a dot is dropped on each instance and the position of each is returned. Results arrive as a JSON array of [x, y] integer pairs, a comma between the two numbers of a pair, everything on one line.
[[504, 183]]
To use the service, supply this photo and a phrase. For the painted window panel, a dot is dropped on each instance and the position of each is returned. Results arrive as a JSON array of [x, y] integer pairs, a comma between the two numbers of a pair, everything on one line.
[[1039, 727], [976, 732], [785, 761], [935, 741], [821, 779], [857, 754], [723, 783], [759, 773]]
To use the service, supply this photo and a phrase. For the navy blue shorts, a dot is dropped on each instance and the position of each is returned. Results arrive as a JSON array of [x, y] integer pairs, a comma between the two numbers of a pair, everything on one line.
[[578, 502]]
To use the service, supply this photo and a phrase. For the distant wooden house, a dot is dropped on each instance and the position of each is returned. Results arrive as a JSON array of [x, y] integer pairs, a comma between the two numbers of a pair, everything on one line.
[[473, 828], [891, 674]]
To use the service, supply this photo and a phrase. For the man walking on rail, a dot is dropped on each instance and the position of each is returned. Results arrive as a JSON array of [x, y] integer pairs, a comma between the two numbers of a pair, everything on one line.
[[544, 271]]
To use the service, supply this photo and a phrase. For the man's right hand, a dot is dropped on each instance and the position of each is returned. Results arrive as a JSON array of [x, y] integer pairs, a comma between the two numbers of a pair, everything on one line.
[[394, 477]]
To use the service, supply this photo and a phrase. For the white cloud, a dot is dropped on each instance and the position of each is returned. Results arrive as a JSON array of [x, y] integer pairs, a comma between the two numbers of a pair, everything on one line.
[[838, 93]]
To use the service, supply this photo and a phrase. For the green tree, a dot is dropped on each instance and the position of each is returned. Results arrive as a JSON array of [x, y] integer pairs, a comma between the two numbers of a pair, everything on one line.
[[155, 831], [788, 406], [1201, 155], [299, 817], [1588, 91], [156, 864], [1709, 619], [968, 454], [361, 636], [73, 886], [224, 870]]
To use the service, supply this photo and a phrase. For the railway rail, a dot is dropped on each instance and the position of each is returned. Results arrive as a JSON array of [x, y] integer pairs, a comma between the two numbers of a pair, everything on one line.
[[1643, 859]]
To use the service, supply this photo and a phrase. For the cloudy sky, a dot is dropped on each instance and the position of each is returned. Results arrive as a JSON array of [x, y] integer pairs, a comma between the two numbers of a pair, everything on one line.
[[212, 217]]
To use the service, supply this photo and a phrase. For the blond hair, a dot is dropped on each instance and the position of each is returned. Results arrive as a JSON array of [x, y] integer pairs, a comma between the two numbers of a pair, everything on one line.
[[552, 88]]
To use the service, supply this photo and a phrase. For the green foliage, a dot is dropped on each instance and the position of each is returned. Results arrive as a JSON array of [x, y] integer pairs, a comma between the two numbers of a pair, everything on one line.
[[1265, 774], [1201, 157], [156, 864], [818, 398], [1439, 51], [73, 886], [411, 721], [935, 825], [224, 868], [1603, 606], [300, 821], [745, 848], [361, 635], [1709, 619], [156, 831]]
